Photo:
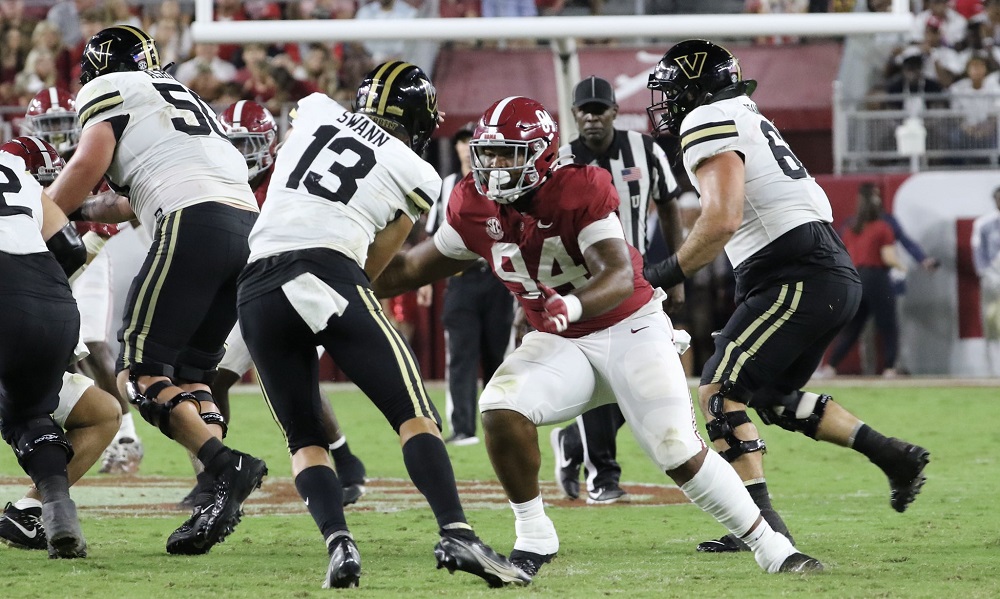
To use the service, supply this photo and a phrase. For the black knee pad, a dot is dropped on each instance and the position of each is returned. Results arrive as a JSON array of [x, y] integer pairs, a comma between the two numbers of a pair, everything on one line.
[[797, 411], [723, 424], [27, 437], [153, 412], [211, 417]]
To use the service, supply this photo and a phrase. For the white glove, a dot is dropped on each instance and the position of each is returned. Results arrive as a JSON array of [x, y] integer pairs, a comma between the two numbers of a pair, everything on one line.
[[682, 341]]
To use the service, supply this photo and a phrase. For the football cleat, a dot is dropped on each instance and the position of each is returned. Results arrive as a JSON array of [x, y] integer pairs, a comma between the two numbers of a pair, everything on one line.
[[800, 562], [906, 476], [213, 521], [463, 550], [567, 468], [608, 495], [344, 570], [529, 563], [23, 529], [726, 544], [122, 456], [65, 539]]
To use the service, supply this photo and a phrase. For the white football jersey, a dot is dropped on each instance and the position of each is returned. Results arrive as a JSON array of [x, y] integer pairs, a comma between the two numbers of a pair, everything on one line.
[[20, 208], [780, 194], [171, 152], [338, 180]]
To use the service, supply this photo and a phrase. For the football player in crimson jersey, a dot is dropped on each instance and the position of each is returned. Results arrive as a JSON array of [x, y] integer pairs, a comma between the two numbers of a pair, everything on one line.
[[553, 236], [252, 129], [795, 284]]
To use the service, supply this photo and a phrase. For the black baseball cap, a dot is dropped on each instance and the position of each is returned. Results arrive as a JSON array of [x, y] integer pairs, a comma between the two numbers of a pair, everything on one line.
[[593, 89], [464, 132]]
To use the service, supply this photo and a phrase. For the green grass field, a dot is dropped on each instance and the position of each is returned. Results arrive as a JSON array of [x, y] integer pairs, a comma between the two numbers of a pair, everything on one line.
[[835, 502]]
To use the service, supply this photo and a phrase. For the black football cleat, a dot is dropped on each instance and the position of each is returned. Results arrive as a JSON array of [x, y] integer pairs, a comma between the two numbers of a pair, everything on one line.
[[344, 571], [800, 562], [529, 563], [213, 521], [23, 529], [567, 467], [463, 550], [906, 475], [726, 544], [351, 472]]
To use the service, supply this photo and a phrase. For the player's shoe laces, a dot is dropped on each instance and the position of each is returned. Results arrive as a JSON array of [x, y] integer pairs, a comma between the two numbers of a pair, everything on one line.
[[462, 550], [213, 521], [344, 570], [65, 539], [726, 544], [22, 529], [351, 472], [800, 562], [906, 474], [608, 495], [567, 468], [529, 563]]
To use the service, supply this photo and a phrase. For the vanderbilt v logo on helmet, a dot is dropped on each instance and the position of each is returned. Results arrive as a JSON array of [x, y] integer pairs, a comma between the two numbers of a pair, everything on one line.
[[117, 49], [692, 73], [692, 64]]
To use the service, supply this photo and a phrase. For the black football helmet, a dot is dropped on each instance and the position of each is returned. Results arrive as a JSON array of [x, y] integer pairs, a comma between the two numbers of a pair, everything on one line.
[[692, 73], [399, 96], [116, 49]]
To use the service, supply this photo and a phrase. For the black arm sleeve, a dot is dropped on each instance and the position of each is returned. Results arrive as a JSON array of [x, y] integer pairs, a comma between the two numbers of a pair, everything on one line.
[[68, 249]]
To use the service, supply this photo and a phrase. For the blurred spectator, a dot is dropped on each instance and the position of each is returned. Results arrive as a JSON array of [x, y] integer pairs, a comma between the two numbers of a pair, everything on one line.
[[990, 21], [451, 9], [951, 24], [322, 9], [171, 32], [287, 89], [321, 68], [975, 98], [509, 8], [912, 85], [252, 53], [38, 73], [381, 51], [119, 13], [229, 93], [205, 62], [229, 10], [258, 84], [92, 21], [975, 45], [968, 8], [872, 246], [13, 52], [66, 16], [986, 260], [46, 36], [353, 67]]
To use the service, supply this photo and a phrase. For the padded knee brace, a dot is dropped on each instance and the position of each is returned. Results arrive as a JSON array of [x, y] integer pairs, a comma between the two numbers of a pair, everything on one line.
[[29, 436], [211, 417], [152, 411], [797, 411], [724, 423]]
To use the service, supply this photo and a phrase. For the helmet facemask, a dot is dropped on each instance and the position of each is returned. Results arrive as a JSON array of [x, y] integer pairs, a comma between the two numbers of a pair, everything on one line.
[[255, 147], [59, 128], [505, 184]]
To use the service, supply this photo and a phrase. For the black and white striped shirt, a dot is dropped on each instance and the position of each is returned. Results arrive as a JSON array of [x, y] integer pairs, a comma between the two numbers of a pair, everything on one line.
[[640, 172]]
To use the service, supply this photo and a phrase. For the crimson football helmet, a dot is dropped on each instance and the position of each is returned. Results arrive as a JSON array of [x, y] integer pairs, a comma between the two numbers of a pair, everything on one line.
[[513, 147], [40, 158], [253, 131], [51, 116]]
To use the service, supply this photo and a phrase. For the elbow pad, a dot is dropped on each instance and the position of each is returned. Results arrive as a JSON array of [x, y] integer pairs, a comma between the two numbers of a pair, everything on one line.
[[68, 249]]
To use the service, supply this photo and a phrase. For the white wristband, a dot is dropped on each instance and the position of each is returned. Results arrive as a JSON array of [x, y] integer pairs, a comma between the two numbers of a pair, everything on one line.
[[574, 309]]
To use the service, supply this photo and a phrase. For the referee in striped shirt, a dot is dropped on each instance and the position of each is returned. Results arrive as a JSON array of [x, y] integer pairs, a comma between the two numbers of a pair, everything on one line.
[[641, 174]]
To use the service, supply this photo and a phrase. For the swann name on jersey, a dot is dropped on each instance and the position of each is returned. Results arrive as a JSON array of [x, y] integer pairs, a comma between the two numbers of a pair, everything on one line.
[[338, 180], [779, 195], [20, 208], [171, 151]]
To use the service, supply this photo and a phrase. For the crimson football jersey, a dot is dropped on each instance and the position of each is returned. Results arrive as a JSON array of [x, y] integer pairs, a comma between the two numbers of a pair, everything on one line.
[[543, 245], [260, 192]]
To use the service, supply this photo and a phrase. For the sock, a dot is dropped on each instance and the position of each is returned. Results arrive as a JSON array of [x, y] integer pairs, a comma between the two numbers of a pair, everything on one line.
[[26, 503], [127, 428], [429, 467], [215, 456], [338, 443], [333, 537], [770, 549], [718, 490], [535, 531], [340, 451], [758, 492], [872, 444], [53, 488], [321, 491]]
